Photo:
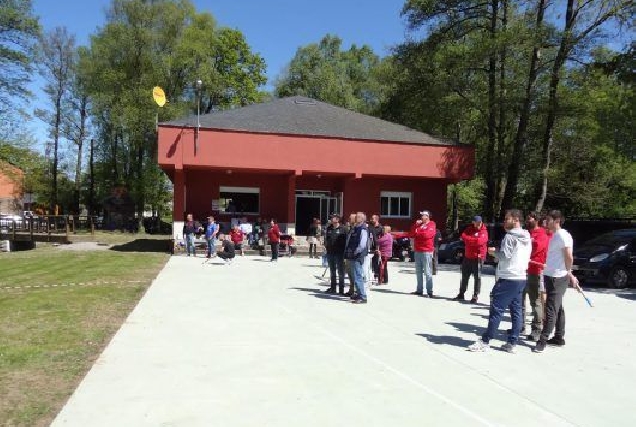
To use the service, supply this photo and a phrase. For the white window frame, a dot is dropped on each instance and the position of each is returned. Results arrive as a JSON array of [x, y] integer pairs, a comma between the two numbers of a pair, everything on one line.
[[396, 194], [248, 190]]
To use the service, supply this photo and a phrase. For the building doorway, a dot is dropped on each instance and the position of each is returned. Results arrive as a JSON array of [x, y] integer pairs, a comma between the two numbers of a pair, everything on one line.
[[314, 204]]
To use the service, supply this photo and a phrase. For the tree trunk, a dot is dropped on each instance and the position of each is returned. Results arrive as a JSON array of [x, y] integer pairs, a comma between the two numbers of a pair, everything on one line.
[[80, 143], [501, 129], [56, 141], [555, 78], [492, 116], [454, 209], [524, 117], [91, 191]]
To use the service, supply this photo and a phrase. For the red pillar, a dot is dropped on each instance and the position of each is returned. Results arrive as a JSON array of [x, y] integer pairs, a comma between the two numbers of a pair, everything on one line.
[[291, 203], [178, 201]]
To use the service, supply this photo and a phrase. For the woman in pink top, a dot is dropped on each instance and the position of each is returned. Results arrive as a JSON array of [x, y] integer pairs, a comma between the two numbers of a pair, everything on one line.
[[385, 251]]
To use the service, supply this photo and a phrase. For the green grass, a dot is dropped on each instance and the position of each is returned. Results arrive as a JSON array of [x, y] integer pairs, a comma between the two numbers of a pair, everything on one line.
[[50, 337]]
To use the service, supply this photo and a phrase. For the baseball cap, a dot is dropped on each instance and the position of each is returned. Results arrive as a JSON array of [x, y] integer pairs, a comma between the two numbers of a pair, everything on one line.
[[477, 218]]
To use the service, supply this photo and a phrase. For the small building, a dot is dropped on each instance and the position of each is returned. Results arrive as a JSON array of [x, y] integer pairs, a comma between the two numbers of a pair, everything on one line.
[[295, 159], [11, 188]]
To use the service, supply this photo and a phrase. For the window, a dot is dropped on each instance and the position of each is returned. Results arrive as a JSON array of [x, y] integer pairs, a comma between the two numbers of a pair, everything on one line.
[[239, 200], [395, 204]]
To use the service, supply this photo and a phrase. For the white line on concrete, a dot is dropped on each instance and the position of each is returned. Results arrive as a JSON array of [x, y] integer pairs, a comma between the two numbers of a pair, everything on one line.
[[390, 368]]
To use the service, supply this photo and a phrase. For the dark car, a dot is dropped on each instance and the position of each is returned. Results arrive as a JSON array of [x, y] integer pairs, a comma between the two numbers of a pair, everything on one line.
[[609, 258], [402, 246]]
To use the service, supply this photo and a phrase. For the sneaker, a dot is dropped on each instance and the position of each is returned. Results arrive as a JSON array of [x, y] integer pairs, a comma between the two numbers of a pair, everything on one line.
[[430, 295], [330, 291], [559, 342], [479, 345], [473, 300], [459, 297], [509, 348], [416, 293], [539, 347]]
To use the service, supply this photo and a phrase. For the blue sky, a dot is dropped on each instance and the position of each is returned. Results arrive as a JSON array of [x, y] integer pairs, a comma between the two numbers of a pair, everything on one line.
[[273, 28]]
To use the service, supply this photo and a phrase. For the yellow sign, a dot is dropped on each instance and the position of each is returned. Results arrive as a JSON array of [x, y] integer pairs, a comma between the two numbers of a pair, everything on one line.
[[159, 96]]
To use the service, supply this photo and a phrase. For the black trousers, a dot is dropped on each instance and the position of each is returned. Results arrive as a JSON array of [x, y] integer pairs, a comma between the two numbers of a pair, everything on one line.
[[225, 255], [336, 264], [555, 288], [471, 267], [275, 247]]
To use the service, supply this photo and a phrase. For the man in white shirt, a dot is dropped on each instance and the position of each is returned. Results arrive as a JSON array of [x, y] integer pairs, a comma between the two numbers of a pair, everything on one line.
[[557, 276]]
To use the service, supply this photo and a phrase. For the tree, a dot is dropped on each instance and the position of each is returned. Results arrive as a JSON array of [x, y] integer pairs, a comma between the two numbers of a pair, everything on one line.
[[323, 71], [19, 31], [56, 58]]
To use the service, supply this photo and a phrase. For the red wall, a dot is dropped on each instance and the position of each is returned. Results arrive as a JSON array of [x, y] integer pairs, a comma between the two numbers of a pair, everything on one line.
[[245, 150], [359, 194]]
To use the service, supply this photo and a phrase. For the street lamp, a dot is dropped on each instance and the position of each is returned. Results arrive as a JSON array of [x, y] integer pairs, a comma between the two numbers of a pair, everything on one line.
[[199, 83]]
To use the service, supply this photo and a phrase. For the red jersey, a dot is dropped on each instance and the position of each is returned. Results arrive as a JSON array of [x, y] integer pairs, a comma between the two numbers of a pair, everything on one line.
[[236, 236], [475, 241], [273, 235], [424, 236], [540, 240]]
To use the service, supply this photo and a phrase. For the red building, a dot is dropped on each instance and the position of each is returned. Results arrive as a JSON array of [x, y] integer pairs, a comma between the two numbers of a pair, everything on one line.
[[296, 158]]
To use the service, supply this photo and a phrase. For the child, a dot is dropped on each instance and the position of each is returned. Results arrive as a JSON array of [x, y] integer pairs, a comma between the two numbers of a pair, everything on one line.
[[228, 252]]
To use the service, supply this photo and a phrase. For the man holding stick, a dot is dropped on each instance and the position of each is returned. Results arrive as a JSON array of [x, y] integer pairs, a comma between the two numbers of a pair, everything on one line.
[[557, 276]]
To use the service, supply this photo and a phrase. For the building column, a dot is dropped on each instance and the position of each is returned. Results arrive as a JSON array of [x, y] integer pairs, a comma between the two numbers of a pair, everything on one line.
[[291, 204], [178, 201]]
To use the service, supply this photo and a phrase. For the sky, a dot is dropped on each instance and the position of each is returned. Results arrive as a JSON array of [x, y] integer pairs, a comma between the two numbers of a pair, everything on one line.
[[273, 28]]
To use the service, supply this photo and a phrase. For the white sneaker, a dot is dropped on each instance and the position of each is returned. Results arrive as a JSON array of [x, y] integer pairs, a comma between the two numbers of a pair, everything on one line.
[[479, 345]]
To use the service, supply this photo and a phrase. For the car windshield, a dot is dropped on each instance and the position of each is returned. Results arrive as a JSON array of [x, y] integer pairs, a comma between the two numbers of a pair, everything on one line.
[[611, 239]]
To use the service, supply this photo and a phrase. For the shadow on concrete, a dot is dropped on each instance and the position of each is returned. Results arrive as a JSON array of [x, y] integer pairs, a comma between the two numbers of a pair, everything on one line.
[[506, 317], [465, 327], [446, 340], [317, 293], [144, 245], [627, 295], [261, 260], [388, 291]]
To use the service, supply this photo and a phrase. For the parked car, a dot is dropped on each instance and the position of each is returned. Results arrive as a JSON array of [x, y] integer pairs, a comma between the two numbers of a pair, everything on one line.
[[609, 258], [401, 246]]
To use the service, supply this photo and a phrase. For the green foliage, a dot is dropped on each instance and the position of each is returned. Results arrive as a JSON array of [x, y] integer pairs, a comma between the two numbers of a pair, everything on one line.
[[19, 30], [323, 71]]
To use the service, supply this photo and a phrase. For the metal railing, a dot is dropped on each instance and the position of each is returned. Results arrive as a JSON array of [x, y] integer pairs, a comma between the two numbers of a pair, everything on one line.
[[12, 225]]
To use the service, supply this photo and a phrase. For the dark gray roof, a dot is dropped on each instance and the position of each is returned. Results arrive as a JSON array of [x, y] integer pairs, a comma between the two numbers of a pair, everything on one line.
[[298, 115]]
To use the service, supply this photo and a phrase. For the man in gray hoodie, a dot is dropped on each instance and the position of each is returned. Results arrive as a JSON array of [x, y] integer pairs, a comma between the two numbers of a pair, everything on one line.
[[513, 258]]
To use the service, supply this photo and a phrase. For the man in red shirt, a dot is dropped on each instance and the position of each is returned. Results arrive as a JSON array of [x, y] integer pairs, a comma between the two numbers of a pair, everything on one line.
[[273, 236], [475, 238], [237, 238], [423, 235], [538, 256]]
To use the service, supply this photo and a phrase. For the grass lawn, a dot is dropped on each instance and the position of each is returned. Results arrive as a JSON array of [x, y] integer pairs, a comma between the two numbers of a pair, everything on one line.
[[50, 336]]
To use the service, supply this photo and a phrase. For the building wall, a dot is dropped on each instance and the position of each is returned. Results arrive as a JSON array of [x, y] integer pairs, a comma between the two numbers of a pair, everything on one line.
[[10, 188], [359, 194]]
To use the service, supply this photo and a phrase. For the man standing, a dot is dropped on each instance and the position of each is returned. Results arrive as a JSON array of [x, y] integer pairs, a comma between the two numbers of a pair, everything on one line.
[[335, 242], [211, 231], [557, 275], [375, 229], [423, 234], [540, 240], [273, 236], [348, 262], [475, 238], [356, 251], [513, 257], [189, 230]]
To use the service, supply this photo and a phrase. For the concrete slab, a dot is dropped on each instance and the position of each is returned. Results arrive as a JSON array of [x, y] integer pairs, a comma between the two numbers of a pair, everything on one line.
[[259, 344]]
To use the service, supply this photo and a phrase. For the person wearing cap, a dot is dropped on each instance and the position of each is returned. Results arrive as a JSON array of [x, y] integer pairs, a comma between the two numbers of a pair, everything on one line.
[[475, 238], [335, 242], [423, 235]]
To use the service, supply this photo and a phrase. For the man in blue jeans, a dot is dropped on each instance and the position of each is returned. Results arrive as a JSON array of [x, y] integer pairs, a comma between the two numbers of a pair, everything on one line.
[[513, 257], [356, 250]]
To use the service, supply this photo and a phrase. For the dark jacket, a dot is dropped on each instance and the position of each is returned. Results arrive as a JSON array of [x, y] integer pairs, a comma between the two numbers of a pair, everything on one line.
[[336, 239], [375, 232], [357, 239], [190, 227], [228, 247]]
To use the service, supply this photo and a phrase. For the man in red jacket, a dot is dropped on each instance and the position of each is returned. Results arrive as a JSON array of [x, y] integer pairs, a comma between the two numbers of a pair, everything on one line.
[[423, 235], [273, 236], [538, 257], [475, 238]]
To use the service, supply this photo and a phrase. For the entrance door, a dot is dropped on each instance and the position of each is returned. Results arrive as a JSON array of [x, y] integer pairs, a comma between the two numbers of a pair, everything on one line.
[[307, 208]]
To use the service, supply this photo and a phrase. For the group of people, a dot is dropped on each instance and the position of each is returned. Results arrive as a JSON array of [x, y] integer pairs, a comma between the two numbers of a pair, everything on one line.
[[537, 262]]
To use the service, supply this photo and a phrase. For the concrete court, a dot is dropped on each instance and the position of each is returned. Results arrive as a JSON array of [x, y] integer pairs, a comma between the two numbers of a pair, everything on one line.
[[258, 344]]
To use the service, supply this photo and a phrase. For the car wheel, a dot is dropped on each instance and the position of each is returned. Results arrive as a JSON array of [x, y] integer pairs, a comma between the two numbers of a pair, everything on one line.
[[618, 278], [458, 256]]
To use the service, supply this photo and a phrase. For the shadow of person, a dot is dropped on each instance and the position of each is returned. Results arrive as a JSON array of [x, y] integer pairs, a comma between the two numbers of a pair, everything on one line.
[[317, 293], [389, 291], [446, 340], [465, 327]]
